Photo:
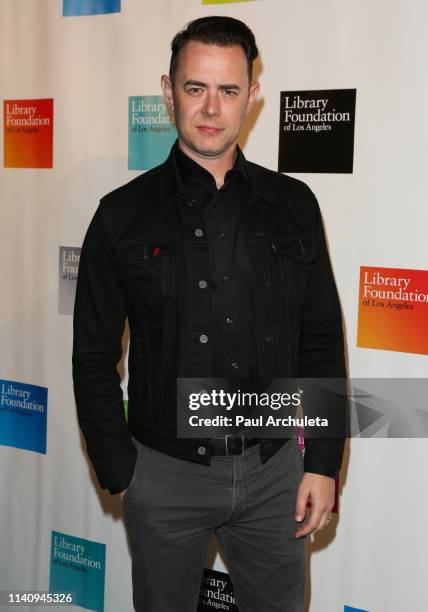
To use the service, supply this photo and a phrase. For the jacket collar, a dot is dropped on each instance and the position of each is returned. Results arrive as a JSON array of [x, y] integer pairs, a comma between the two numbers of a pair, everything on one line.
[[172, 187]]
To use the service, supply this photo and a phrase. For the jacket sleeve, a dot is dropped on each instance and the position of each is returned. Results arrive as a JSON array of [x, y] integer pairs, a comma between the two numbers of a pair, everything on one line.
[[99, 318], [321, 349]]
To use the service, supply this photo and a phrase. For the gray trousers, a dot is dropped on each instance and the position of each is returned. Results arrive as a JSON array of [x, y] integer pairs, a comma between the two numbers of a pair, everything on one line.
[[172, 508]]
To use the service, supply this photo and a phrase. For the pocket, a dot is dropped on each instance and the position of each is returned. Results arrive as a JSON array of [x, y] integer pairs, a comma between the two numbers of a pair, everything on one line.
[[135, 473], [292, 257], [141, 253], [149, 271], [299, 248]]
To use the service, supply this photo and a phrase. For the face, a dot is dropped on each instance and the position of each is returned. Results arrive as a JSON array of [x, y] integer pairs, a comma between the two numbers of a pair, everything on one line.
[[210, 98]]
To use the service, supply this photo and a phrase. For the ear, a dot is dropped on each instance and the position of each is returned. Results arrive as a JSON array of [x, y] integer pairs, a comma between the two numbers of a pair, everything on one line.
[[252, 96], [167, 92]]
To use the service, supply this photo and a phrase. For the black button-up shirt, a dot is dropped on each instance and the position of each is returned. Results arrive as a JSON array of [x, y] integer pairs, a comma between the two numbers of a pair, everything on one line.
[[222, 221]]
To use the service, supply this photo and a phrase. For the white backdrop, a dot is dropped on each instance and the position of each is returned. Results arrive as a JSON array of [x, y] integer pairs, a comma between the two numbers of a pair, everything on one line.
[[373, 557]]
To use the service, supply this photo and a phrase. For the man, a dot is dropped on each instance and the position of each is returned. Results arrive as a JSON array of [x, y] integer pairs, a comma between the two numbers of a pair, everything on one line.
[[221, 268]]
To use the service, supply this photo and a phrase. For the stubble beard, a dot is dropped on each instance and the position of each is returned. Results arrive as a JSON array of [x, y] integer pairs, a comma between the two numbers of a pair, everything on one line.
[[208, 152]]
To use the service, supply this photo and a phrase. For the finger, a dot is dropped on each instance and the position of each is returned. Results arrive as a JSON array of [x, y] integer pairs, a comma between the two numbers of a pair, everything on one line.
[[312, 524], [325, 519], [301, 504]]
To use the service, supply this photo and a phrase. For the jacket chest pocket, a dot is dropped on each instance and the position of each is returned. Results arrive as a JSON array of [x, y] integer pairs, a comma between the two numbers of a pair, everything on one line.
[[149, 271], [292, 257]]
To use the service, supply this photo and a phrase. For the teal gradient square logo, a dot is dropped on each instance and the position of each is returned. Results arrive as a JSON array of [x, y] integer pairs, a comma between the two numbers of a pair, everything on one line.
[[350, 609], [78, 565], [72, 8], [23, 415], [151, 132]]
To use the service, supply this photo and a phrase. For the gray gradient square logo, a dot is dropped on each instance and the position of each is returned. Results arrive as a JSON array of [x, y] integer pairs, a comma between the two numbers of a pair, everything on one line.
[[68, 268]]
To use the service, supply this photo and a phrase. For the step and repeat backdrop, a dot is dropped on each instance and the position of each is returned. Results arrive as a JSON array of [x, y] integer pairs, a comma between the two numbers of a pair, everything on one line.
[[343, 95]]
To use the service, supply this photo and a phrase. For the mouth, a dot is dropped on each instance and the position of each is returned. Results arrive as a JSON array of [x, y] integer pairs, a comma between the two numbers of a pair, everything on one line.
[[209, 130]]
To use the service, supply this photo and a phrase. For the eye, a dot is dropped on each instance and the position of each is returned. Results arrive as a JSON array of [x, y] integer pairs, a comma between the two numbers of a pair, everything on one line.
[[230, 92], [193, 91]]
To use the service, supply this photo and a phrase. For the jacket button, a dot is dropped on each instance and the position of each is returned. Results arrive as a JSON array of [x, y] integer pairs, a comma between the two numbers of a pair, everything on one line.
[[235, 365], [198, 232], [202, 450], [203, 284], [190, 203], [221, 235], [229, 320], [203, 338]]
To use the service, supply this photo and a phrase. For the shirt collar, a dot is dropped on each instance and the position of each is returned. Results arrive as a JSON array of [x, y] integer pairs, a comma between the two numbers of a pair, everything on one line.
[[189, 169], [259, 179]]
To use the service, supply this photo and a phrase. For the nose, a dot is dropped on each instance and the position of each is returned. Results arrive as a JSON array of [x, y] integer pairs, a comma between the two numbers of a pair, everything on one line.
[[211, 106]]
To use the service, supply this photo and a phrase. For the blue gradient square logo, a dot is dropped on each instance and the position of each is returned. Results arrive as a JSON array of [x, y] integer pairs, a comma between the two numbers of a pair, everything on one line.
[[72, 8], [151, 132], [350, 609], [78, 565], [23, 415]]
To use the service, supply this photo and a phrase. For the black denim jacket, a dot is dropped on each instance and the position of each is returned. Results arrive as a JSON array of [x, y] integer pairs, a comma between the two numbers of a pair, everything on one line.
[[140, 259]]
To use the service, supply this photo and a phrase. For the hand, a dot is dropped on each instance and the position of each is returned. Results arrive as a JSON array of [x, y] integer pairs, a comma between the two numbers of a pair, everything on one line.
[[320, 489]]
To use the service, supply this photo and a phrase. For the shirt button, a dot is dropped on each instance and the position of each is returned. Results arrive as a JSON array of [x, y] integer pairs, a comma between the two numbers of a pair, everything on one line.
[[198, 232], [202, 450], [203, 284], [221, 235], [203, 338], [235, 365], [229, 320]]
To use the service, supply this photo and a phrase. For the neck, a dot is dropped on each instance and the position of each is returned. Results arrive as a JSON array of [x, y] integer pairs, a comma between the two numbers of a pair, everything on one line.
[[217, 166]]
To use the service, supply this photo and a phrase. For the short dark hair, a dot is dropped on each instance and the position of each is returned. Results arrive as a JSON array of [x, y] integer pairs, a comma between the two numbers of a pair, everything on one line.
[[221, 31]]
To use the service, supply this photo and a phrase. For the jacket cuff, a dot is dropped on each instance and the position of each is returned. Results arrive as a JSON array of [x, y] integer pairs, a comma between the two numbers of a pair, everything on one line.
[[119, 489], [324, 456], [322, 470], [116, 475]]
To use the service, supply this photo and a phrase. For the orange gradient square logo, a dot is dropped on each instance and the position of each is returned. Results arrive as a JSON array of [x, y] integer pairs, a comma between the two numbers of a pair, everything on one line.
[[28, 133], [393, 310]]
